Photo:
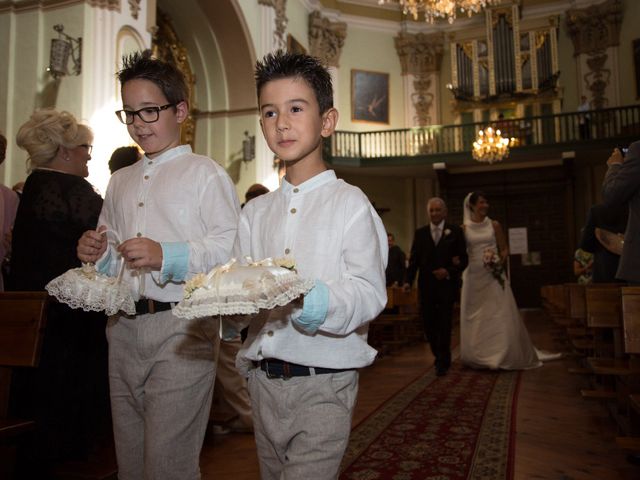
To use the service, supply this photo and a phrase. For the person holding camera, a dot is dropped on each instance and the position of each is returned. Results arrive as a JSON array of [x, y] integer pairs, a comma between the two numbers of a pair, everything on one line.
[[621, 186]]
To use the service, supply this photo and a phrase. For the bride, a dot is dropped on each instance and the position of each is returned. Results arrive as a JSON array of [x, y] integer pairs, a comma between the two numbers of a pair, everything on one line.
[[492, 333]]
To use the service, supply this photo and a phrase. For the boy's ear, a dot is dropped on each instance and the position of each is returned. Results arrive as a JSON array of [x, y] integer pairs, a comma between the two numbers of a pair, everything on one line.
[[182, 111], [329, 122]]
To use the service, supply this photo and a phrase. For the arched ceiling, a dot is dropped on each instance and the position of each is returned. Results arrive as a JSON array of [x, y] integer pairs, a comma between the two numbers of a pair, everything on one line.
[[236, 50]]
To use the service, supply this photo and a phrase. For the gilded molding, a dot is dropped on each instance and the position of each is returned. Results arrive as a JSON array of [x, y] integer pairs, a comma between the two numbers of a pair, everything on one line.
[[595, 28], [326, 38], [134, 8], [280, 7], [419, 53], [168, 47], [17, 6]]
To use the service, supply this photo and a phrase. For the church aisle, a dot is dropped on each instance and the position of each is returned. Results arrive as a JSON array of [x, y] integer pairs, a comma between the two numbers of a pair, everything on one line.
[[559, 435]]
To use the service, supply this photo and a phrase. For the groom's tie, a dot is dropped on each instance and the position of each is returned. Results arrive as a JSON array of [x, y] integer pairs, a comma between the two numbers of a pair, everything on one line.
[[436, 235]]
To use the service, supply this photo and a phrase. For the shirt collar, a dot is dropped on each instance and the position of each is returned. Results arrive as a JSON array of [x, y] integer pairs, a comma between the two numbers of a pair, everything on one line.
[[311, 184], [440, 225], [168, 155]]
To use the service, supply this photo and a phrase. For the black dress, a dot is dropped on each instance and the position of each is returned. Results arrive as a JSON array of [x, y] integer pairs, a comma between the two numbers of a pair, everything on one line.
[[67, 394]]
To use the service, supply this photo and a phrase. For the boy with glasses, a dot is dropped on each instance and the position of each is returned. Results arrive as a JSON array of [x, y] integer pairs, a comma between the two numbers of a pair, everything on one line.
[[176, 213]]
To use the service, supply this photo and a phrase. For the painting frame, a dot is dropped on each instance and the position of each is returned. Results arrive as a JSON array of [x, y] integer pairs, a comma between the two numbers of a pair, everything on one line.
[[369, 96]]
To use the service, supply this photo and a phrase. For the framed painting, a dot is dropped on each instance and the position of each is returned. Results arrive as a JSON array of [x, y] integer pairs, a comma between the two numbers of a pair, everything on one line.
[[369, 96]]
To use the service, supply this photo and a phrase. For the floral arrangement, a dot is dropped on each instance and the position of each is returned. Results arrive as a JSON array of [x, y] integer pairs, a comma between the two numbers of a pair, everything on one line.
[[493, 263], [196, 282]]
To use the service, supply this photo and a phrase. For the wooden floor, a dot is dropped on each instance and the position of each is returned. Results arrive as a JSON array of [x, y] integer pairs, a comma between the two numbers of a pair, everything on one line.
[[559, 435]]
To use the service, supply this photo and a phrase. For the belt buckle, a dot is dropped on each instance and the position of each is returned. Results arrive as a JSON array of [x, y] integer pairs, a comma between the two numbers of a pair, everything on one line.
[[286, 374], [151, 305]]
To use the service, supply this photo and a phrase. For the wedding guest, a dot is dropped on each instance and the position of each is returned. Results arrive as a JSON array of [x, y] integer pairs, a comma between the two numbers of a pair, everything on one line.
[[176, 213], [67, 393], [492, 333], [584, 120], [603, 220], [8, 208], [396, 265], [303, 359], [621, 188], [254, 191], [123, 157], [438, 255]]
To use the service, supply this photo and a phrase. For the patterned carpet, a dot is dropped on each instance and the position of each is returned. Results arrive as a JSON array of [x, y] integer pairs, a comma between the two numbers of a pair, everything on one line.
[[456, 427]]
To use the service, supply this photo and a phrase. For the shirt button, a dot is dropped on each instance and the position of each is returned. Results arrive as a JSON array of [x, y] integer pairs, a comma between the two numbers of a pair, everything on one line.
[[293, 210], [146, 177], [149, 163], [138, 234], [296, 190], [141, 204], [286, 250], [270, 333]]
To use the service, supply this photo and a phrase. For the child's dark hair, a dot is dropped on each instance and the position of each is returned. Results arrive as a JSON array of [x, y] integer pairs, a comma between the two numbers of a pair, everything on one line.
[[281, 64], [141, 65]]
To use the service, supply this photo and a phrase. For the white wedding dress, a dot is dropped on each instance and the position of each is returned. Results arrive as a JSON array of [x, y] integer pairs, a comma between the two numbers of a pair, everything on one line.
[[492, 333]]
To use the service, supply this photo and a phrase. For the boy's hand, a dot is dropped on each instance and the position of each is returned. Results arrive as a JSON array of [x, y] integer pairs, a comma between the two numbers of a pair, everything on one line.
[[141, 252], [92, 244]]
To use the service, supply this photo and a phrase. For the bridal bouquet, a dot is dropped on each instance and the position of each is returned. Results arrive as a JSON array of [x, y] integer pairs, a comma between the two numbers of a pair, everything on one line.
[[493, 263]]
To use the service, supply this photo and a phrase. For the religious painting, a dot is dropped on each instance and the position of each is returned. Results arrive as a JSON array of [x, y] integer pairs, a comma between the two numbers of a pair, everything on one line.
[[294, 46], [636, 64], [369, 96]]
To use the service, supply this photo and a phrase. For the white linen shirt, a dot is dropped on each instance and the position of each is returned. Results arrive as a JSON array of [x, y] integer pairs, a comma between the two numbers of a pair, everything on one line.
[[334, 235], [176, 197]]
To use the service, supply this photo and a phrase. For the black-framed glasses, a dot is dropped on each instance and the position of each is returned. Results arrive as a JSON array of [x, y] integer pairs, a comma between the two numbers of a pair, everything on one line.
[[88, 147], [146, 114]]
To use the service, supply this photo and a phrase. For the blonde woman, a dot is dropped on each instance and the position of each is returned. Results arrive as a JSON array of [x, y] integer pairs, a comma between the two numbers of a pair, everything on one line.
[[56, 206]]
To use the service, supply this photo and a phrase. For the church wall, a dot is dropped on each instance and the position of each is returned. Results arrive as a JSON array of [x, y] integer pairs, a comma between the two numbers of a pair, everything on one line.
[[373, 51], [92, 96]]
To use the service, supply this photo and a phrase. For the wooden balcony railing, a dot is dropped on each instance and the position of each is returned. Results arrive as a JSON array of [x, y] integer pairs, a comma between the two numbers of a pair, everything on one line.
[[563, 128]]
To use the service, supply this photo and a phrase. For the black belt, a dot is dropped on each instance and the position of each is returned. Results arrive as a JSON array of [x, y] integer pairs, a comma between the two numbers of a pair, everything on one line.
[[146, 305], [275, 368]]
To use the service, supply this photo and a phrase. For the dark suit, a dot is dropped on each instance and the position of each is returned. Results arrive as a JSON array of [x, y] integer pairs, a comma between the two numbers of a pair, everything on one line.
[[437, 296], [621, 186]]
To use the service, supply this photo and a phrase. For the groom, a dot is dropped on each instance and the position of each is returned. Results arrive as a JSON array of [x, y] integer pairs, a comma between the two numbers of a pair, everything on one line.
[[439, 252]]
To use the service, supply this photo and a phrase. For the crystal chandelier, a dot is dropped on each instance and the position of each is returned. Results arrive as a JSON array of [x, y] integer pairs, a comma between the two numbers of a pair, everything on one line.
[[490, 146], [434, 9]]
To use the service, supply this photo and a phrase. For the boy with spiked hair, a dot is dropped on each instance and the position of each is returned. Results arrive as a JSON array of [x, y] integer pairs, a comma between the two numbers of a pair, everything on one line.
[[302, 359], [176, 213]]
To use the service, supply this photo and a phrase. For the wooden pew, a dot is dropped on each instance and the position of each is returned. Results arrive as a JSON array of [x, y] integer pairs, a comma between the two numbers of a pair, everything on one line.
[[399, 325], [23, 317], [631, 328]]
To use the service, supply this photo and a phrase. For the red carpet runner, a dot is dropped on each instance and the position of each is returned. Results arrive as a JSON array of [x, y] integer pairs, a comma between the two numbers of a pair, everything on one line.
[[456, 427]]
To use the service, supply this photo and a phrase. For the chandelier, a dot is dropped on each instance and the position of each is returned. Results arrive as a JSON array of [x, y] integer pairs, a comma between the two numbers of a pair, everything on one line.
[[434, 9], [490, 146]]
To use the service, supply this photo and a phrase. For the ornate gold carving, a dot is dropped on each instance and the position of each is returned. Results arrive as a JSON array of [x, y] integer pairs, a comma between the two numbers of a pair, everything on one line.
[[168, 47], [597, 79], [134, 8], [326, 38], [419, 53], [280, 7], [595, 28], [467, 48], [422, 99]]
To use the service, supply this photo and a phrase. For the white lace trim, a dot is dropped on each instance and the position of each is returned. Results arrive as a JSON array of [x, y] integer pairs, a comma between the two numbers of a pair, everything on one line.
[[240, 290], [89, 290]]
